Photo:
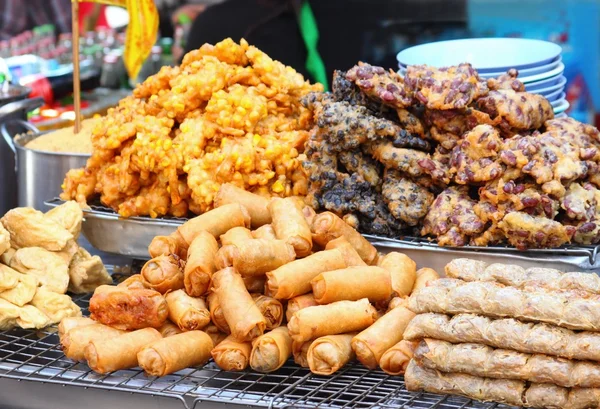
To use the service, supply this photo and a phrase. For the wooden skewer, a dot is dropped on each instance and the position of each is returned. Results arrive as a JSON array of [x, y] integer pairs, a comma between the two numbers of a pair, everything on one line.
[[76, 80]]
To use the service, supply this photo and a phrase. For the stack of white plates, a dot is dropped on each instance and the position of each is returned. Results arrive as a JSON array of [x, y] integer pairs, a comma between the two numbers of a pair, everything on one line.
[[539, 62]]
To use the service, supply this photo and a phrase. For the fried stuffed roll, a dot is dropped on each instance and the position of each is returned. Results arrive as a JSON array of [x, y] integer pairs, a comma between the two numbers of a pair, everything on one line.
[[120, 352], [327, 226], [403, 271], [133, 281], [424, 276], [255, 204], [241, 313], [270, 308], [200, 264], [264, 232], [271, 350], [188, 313], [300, 352], [216, 313], [215, 222], [232, 355], [294, 278], [290, 225], [171, 244], [163, 273], [169, 329], [127, 308], [255, 257], [352, 283], [299, 302], [167, 355], [75, 340], [395, 360], [215, 334], [255, 284], [236, 236], [67, 324], [328, 354], [336, 318], [350, 255]]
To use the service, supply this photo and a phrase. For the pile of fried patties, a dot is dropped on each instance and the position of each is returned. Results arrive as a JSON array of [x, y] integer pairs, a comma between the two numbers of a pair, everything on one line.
[[444, 153]]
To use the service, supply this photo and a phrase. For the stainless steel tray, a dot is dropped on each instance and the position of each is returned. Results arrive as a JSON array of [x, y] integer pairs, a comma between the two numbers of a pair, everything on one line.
[[108, 232], [36, 357]]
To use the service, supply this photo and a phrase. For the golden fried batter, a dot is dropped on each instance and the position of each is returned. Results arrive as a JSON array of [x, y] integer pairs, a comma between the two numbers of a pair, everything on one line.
[[407, 200], [507, 80], [525, 232], [476, 157], [380, 85]]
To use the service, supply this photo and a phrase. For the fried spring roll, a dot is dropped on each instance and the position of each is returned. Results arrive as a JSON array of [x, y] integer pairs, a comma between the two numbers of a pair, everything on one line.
[[115, 353], [171, 244], [215, 334], [299, 302], [336, 318], [270, 308], [163, 273], [271, 350], [309, 214], [127, 308], [215, 222], [188, 313], [168, 355], [236, 236], [255, 204], [290, 225], [200, 264], [169, 329], [134, 281], [67, 324], [424, 276], [403, 271], [294, 278], [241, 313], [328, 354], [232, 355], [395, 360], [352, 283], [77, 339], [264, 232], [216, 313], [300, 352], [386, 332], [255, 257], [397, 302], [348, 252], [327, 226], [255, 284]]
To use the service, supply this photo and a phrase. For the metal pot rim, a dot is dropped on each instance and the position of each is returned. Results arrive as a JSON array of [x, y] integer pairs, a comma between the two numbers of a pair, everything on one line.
[[20, 145]]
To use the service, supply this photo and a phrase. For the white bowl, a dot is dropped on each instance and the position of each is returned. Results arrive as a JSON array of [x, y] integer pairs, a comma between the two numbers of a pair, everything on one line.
[[526, 72], [548, 74], [500, 54], [554, 96], [560, 106], [558, 83]]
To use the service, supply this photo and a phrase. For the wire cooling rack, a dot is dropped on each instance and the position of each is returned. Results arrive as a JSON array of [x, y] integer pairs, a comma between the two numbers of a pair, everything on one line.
[[36, 356]]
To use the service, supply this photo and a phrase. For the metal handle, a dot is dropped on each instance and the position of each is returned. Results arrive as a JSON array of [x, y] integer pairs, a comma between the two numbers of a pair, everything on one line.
[[8, 138], [24, 104]]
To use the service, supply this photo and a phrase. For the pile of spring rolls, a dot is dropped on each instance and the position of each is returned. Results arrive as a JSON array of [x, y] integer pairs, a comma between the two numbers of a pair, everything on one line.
[[253, 283], [523, 337]]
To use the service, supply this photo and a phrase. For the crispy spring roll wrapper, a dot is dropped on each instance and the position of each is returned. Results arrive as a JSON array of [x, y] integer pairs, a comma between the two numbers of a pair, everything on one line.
[[309, 214], [9, 278], [271, 350], [255, 204], [290, 225], [67, 324], [169, 329], [255, 284], [134, 281], [348, 252], [77, 339], [128, 308], [216, 313], [294, 278], [336, 318], [163, 273], [188, 313], [300, 352], [299, 302], [326, 355], [200, 264], [352, 283], [371, 344], [271, 309], [236, 236], [171, 244], [264, 232], [180, 351], [215, 222], [395, 360], [397, 302], [255, 257], [403, 271], [232, 355], [327, 226], [215, 334], [424, 276], [241, 313], [115, 353]]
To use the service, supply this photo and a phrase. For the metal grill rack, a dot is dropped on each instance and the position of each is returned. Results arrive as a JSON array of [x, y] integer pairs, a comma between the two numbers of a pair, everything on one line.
[[37, 357]]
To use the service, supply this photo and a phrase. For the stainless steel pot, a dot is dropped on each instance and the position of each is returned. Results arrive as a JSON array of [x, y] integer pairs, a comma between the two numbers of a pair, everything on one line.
[[40, 174]]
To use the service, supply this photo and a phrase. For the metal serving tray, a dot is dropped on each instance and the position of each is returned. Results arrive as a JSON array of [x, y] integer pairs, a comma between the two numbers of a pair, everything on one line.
[[108, 232], [36, 357]]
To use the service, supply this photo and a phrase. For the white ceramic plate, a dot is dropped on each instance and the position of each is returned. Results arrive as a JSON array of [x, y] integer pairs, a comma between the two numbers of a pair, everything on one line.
[[553, 96], [562, 106], [500, 54], [559, 84], [524, 73], [548, 74]]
